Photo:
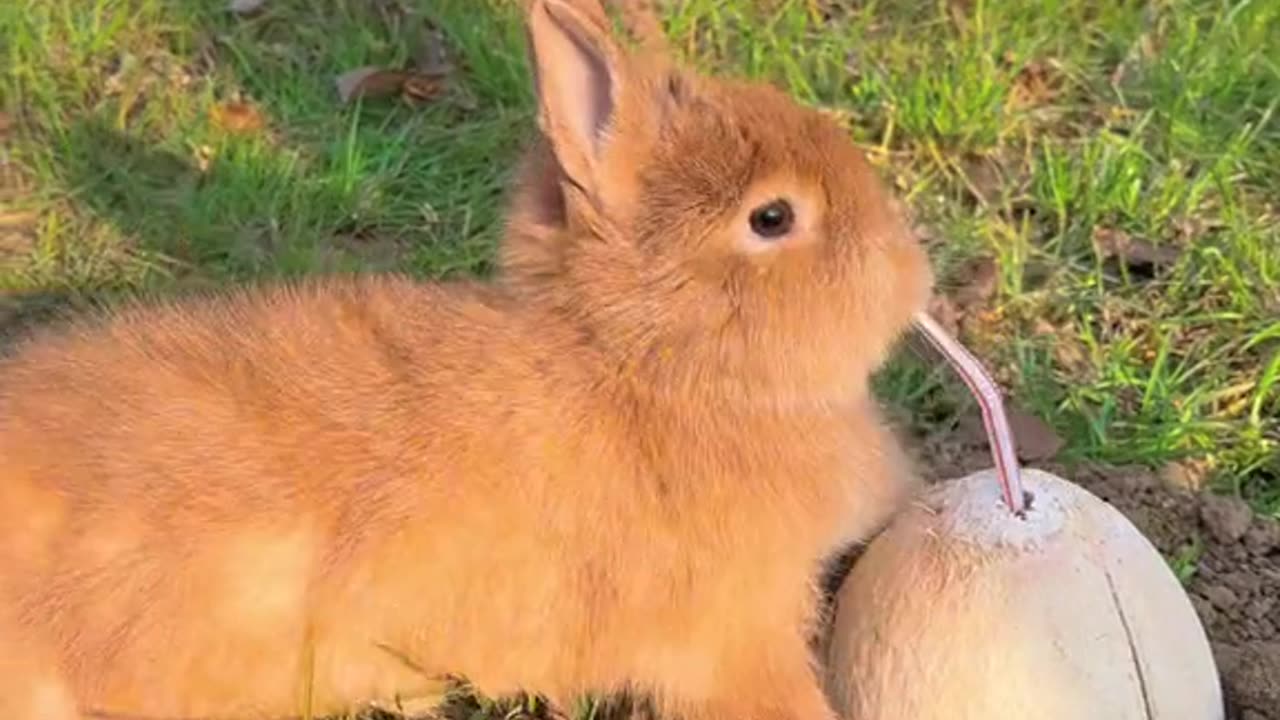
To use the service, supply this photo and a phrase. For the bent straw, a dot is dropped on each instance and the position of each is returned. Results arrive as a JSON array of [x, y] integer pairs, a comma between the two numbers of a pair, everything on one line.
[[987, 393]]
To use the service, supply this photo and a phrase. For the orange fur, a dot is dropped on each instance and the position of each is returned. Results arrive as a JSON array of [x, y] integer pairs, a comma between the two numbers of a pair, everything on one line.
[[616, 467]]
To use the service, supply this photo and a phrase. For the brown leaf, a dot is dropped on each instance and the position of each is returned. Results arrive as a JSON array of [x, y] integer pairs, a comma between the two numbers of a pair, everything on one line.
[[238, 117], [1037, 83], [370, 81], [1036, 440], [1133, 252], [422, 88], [6, 124], [245, 7]]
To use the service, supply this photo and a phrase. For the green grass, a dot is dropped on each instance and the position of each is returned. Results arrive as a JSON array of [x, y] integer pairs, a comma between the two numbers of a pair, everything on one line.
[[1020, 131], [1186, 562]]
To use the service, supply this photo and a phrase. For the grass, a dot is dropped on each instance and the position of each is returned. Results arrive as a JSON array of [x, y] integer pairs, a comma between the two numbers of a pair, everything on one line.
[[1033, 133], [1186, 562]]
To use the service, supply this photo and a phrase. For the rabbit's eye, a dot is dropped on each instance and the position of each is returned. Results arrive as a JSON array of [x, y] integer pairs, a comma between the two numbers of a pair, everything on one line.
[[772, 220]]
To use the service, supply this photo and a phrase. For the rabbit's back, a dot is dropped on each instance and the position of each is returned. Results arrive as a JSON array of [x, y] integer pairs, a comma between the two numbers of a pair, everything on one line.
[[222, 407], [195, 492]]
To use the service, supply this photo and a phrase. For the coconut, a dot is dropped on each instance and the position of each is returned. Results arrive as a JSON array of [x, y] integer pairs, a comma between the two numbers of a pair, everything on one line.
[[963, 609]]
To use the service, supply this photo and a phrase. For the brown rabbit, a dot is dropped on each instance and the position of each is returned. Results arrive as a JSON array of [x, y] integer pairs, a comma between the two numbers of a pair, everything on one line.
[[618, 467]]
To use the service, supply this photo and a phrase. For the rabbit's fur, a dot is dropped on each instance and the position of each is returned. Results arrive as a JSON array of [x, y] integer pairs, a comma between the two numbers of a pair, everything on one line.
[[617, 467]]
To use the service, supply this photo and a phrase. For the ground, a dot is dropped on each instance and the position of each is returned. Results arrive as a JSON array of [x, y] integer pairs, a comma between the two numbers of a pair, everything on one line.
[[1097, 183]]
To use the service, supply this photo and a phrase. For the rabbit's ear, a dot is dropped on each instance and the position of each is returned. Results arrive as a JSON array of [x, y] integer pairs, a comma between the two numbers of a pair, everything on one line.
[[577, 69]]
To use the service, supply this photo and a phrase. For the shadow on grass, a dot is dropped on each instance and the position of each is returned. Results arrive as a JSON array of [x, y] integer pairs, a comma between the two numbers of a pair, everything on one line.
[[241, 216], [165, 211], [320, 186]]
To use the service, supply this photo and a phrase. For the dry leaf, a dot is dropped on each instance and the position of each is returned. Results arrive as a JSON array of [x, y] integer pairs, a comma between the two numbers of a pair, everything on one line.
[[422, 88], [1036, 84], [370, 81], [1135, 253], [1036, 440], [246, 7], [423, 81], [376, 82], [238, 117]]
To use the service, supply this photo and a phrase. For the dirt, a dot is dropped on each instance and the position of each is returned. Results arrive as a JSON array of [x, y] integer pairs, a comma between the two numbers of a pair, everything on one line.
[[1231, 554]]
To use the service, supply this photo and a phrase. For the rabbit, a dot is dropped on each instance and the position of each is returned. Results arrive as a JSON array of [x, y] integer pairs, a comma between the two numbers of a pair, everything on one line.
[[617, 465]]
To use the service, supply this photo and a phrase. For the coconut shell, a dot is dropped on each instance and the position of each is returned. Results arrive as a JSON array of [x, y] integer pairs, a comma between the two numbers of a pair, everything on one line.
[[960, 610]]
